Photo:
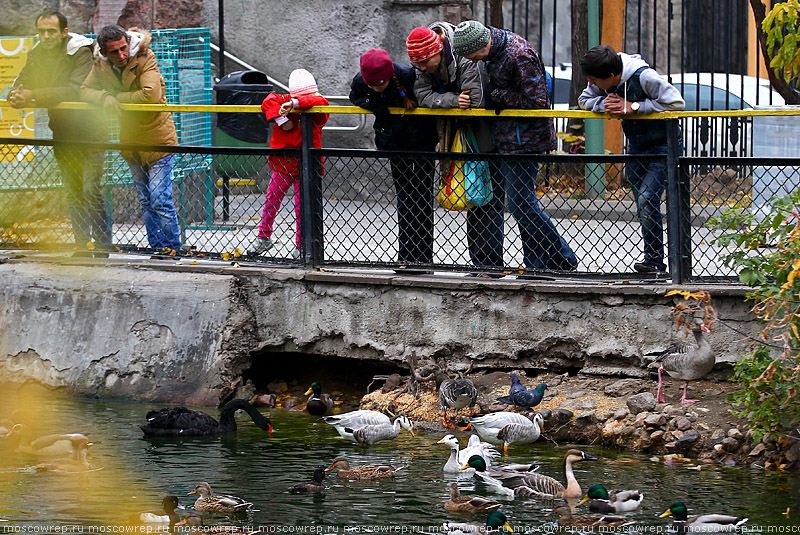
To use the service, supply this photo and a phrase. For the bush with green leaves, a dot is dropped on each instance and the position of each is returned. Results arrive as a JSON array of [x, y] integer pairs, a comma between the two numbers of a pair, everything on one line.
[[767, 254]]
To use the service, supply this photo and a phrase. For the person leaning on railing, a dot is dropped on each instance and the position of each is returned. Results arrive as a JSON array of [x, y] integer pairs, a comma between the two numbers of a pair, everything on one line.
[[517, 80], [53, 73], [624, 85], [127, 73], [379, 85], [446, 80]]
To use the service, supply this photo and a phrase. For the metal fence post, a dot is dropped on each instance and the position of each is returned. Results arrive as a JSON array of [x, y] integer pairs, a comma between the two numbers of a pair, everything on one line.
[[679, 214], [311, 192]]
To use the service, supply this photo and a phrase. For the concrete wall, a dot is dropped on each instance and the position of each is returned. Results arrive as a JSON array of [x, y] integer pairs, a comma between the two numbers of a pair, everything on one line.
[[161, 331]]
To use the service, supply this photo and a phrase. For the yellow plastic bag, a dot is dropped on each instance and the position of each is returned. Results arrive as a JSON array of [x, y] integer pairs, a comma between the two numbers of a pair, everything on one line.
[[452, 187]]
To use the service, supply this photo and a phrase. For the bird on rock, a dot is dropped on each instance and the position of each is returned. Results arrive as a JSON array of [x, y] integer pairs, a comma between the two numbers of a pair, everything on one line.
[[687, 360], [456, 394], [519, 396]]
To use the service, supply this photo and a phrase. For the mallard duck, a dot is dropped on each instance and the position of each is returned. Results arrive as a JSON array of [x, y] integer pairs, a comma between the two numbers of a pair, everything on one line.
[[370, 434], [168, 504], [687, 360], [366, 471], [459, 457], [507, 428], [355, 420], [520, 396], [589, 522], [492, 477], [456, 394], [78, 464], [496, 522], [195, 521], [710, 523], [315, 485], [532, 484], [318, 403], [180, 421], [222, 503], [57, 445], [470, 503], [615, 501]]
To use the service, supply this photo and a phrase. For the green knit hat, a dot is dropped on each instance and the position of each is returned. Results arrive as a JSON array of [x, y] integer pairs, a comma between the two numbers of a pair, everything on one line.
[[470, 36]]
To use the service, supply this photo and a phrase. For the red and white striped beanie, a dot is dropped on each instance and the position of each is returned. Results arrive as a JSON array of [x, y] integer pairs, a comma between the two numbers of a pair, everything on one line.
[[422, 43]]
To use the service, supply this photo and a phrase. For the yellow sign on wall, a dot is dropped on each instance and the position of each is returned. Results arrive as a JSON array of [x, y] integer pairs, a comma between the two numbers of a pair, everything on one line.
[[14, 123]]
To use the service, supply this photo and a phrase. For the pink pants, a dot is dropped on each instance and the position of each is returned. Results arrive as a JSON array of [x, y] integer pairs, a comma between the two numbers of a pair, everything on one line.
[[278, 185]]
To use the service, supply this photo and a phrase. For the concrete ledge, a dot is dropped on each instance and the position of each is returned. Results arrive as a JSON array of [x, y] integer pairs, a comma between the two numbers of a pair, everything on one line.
[[170, 331]]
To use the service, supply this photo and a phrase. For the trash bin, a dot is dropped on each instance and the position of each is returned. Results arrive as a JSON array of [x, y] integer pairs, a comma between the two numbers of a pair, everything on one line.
[[240, 88]]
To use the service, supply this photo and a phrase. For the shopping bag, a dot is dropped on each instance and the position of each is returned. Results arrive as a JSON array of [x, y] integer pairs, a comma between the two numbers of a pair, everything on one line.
[[477, 180], [452, 188]]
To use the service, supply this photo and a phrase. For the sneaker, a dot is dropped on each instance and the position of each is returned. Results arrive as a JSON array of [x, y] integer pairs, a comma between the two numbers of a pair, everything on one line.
[[262, 245], [649, 267], [565, 264]]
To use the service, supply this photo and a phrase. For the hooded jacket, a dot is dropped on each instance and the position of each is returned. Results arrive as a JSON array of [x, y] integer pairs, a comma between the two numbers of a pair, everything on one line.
[[517, 80], [638, 83], [441, 89], [140, 83], [55, 76]]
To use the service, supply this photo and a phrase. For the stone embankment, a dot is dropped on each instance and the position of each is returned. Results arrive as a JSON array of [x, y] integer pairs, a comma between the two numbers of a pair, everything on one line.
[[622, 413]]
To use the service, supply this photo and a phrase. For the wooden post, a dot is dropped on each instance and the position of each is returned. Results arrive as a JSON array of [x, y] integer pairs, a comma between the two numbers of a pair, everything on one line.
[[612, 34]]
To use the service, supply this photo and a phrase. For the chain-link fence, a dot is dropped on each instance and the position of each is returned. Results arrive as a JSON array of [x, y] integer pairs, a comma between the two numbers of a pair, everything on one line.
[[377, 209]]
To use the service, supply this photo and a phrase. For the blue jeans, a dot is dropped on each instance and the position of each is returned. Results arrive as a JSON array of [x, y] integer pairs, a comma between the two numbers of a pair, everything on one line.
[[648, 181], [542, 245], [81, 171], [153, 183]]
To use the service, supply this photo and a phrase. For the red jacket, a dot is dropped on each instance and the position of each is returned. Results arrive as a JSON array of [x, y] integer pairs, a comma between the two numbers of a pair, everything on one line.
[[291, 139]]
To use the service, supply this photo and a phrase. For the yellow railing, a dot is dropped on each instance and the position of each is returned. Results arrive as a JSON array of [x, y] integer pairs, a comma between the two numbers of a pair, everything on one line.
[[437, 111]]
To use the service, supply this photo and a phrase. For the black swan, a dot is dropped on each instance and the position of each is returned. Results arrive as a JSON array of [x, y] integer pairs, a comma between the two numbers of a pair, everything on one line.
[[180, 421]]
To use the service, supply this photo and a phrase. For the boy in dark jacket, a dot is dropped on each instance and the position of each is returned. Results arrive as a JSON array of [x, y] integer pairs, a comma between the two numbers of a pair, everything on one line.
[[625, 85], [517, 80], [55, 69], [382, 84]]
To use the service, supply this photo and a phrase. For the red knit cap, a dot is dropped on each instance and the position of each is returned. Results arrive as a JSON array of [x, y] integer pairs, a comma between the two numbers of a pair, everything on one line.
[[422, 43], [376, 67]]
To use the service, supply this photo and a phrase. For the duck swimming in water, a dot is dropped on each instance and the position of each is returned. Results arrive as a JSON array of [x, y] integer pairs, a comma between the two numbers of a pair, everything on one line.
[[615, 501], [365, 471], [496, 522], [469, 503], [221, 503], [180, 421], [589, 522], [315, 485], [708, 523]]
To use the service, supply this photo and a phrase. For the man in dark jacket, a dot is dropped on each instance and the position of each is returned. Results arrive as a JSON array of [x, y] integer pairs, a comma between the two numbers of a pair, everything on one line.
[[56, 67], [517, 80]]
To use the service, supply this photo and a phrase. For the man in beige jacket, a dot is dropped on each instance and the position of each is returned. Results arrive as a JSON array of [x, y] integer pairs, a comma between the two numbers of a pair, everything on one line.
[[127, 73]]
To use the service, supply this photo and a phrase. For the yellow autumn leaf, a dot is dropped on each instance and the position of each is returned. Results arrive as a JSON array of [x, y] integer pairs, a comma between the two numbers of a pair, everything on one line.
[[90, 246], [226, 256], [237, 253], [193, 263]]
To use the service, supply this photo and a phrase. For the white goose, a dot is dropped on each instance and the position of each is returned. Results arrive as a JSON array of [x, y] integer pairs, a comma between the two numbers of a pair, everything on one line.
[[459, 457], [507, 428], [370, 434], [355, 420]]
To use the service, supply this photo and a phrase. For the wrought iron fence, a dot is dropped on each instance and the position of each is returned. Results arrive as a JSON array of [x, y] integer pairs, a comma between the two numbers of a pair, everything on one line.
[[377, 209]]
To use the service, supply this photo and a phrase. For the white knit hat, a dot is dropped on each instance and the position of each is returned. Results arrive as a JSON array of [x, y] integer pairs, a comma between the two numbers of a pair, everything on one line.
[[301, 82]]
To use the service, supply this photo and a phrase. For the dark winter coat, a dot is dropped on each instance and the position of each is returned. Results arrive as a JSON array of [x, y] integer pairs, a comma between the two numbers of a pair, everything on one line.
[[517, 80], [395, 132], [55, 76]]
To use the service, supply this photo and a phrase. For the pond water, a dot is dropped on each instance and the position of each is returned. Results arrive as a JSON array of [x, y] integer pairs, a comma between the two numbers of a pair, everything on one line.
[[133, 473]]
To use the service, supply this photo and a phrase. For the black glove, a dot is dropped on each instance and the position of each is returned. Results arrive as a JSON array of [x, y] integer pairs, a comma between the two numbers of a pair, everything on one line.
[[495, 105]]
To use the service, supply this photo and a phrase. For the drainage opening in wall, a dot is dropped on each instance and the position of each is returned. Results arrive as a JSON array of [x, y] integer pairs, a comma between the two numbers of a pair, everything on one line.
[[289, 375]]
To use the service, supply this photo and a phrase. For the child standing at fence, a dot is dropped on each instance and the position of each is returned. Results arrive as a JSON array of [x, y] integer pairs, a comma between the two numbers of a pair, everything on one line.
[[286, 134], [379, 85]]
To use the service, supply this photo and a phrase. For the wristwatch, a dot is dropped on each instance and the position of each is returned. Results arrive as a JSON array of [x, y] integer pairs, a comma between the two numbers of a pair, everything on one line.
[[635, 107]]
